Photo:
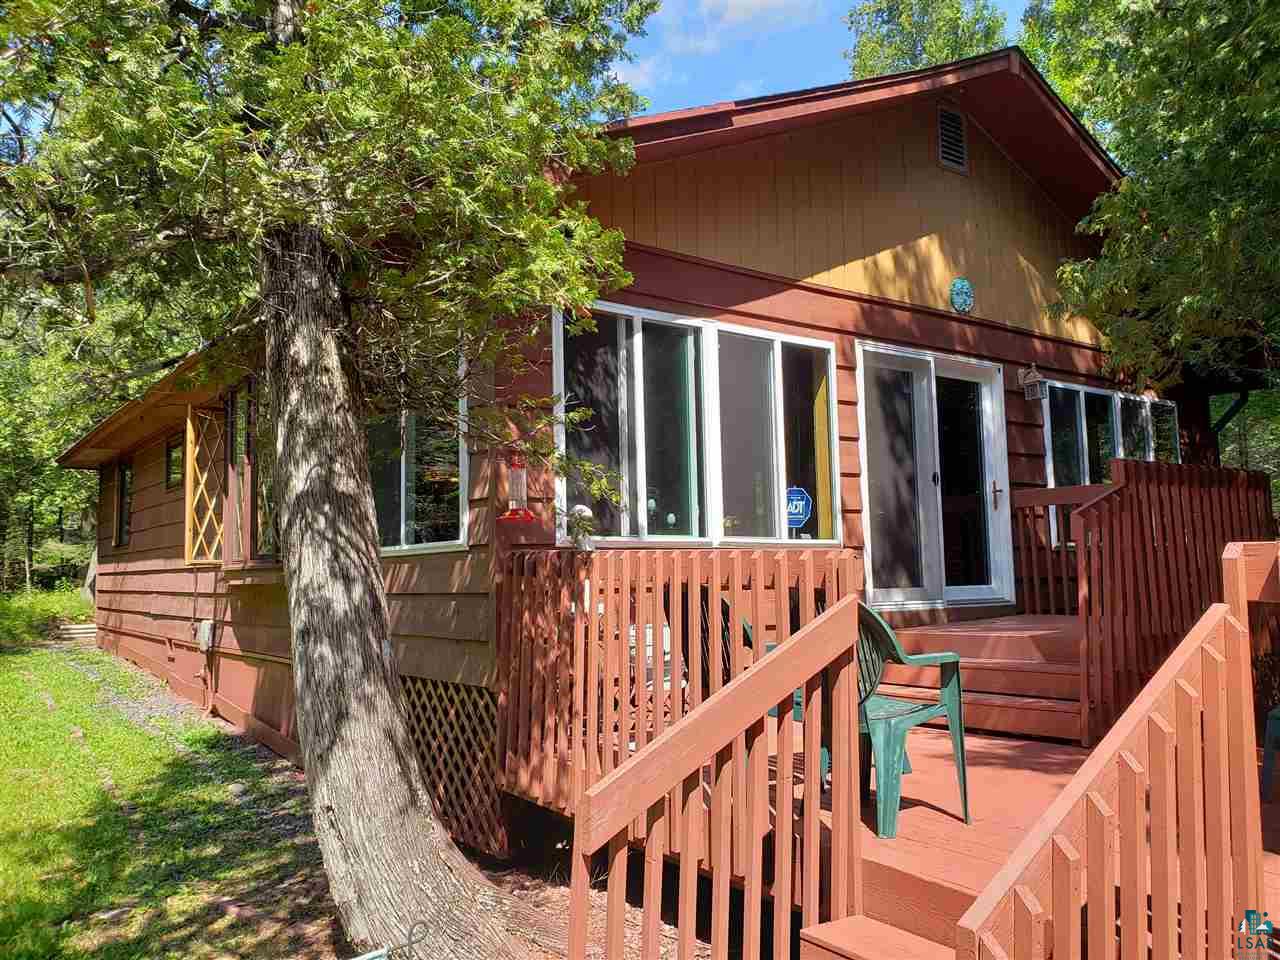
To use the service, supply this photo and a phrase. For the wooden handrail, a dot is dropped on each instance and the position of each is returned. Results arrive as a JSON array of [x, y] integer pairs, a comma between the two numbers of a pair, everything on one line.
[[1059, 496], [699, 785], [1103, 756], [1172, 785], [648, 775]]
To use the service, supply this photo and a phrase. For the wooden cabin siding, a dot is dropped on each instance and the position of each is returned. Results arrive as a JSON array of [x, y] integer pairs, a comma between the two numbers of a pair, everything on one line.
[[149, 601], [860, 204]]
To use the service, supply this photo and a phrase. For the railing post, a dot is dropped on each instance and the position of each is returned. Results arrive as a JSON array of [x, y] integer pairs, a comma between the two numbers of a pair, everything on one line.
[[1079, 534]]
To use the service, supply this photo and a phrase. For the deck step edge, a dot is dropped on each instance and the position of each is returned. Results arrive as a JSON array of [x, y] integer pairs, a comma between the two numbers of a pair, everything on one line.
[[985, 699], [863, 938]]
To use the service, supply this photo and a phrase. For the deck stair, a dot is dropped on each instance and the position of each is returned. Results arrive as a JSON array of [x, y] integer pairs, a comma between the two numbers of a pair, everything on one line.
[[862, 938], [1021, 674]]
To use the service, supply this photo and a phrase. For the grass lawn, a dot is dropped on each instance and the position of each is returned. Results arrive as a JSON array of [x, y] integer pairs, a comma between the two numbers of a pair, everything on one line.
[[131, 827]]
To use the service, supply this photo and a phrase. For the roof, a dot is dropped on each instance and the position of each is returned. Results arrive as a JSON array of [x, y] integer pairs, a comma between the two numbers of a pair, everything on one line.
[[162, 407], [1001, 91]]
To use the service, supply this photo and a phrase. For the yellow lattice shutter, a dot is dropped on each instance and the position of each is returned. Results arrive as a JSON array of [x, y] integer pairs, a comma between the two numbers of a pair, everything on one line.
[[206, 471]]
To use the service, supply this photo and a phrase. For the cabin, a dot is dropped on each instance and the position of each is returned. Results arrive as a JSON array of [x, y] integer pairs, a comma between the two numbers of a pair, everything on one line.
[[835, 379]]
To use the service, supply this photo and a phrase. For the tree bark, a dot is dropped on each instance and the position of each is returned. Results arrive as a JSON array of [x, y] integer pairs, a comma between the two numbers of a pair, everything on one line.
[[392, 866]]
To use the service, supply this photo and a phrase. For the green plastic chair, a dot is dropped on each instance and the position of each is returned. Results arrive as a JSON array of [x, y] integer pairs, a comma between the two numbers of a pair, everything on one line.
[[884, 722], [1270, 744]]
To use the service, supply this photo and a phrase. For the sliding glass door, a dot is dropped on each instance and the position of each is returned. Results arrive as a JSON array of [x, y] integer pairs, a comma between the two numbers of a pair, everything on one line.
[[936, 482]]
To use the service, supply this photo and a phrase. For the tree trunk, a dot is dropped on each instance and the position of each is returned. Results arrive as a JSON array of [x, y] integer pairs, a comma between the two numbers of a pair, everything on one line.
[[392, 866]]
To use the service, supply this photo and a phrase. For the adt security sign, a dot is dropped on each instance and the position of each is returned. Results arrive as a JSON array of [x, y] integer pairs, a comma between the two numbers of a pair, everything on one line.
[[799, 507]]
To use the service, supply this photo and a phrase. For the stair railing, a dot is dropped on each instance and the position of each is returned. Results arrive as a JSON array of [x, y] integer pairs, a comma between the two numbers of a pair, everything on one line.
[[687, 777], [1158, 834]]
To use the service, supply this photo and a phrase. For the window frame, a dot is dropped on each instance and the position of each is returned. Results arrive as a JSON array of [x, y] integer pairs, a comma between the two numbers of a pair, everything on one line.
[[175, 442], [120, 537], [243, 505], [464, 499], [709, 454], [1082, 432], [1082, 436]]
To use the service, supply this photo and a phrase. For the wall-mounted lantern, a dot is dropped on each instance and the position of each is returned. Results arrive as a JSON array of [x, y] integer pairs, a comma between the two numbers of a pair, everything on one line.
[[1034, 385]]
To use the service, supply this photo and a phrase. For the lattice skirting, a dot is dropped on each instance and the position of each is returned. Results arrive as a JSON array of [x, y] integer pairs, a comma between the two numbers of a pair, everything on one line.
[[455, 728]]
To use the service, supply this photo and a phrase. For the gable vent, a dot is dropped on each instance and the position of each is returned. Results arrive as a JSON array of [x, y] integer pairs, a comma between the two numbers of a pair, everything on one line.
[[953, 149]]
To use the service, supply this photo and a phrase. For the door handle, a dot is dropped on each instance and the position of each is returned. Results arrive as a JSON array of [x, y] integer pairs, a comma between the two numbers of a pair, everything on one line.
[[995, 495]]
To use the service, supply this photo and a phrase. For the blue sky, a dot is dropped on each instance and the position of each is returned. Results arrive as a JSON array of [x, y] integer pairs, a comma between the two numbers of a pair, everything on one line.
[[704, 51]]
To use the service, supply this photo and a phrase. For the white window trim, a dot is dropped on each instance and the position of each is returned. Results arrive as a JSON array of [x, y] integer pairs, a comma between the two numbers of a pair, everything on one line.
[[1082, 428], [712, 493], [1001, 591], [1082, 432], [460, 543]]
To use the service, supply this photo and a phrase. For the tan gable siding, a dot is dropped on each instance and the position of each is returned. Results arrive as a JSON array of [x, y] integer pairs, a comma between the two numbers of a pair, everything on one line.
[[863, 205]]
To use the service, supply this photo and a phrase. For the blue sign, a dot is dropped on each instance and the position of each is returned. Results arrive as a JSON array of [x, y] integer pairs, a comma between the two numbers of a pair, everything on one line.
[[799, 507]]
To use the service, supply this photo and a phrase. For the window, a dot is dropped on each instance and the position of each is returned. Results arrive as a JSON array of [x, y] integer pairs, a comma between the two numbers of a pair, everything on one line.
[[124, 503], [642, 382], [252, 474], [415, 468], [953, 146], [708, 432], [1086, 427], [173, 463]]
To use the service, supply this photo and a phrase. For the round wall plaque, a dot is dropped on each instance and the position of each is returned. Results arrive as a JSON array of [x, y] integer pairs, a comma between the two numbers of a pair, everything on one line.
[[961, 295]]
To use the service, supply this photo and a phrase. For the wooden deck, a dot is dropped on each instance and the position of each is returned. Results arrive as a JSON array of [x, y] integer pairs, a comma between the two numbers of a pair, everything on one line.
[[937, 865], [1021, 674]]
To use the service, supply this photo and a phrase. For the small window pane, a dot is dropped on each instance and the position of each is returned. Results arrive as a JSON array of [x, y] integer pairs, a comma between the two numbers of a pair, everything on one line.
[[432, 483], [1064, 435], [807, 426], [173, 456], [1133, 428], [747, 437], [673, 433], [124, 503], [961, 448], [1164, 420], [892, 478], [266, 537], [384, 474], [1100, 434], [592, 374]]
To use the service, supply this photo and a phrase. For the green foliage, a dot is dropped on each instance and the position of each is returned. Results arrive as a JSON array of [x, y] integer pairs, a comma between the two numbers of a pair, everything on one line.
[[1189, 269], [892, 36], [1076, 45], [430, 145], [101, 812], [1251, 441], [30, 616]]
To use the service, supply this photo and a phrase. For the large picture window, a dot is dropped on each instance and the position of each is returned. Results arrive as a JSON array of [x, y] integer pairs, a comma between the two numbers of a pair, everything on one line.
[[1085, 428], [709, 432], [416, 471]]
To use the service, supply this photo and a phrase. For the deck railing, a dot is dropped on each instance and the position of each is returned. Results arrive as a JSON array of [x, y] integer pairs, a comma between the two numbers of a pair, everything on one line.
[[1136, 560], [1046, 564], [1148, 562], [686, 785], [1159, 833], [649, 616]]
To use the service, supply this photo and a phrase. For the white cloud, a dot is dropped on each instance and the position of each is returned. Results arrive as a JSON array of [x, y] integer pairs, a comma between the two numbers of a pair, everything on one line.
[[644, 73], [699, 27], [731, 12]]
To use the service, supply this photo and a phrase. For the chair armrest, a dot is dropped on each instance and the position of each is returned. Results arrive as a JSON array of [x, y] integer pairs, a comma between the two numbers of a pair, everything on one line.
[[929, 659]]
